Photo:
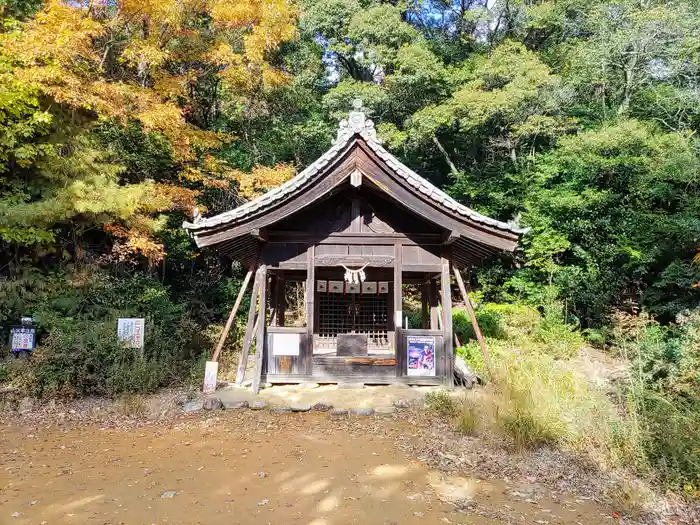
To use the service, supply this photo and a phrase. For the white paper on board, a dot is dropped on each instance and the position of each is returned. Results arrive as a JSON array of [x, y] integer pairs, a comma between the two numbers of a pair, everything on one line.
[[211, 370], [131, 330], [286, 344]]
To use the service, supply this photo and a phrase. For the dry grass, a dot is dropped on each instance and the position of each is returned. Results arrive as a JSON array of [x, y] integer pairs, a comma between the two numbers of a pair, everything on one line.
[[133, 405]]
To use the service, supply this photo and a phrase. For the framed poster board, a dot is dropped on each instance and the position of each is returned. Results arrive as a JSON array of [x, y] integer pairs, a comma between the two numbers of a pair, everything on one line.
[[22, 338], [131, 331], [421, 355]]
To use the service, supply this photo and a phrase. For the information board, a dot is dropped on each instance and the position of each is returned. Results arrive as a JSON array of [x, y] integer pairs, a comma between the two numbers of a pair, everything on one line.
[[23, 338], [131, 330]]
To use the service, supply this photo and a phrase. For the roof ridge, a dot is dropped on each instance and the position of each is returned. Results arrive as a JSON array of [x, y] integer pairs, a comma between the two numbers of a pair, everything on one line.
[[357, 124]]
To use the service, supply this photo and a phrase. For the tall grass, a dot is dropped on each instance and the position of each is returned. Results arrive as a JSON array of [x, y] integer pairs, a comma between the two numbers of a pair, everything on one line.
[[647, 421]]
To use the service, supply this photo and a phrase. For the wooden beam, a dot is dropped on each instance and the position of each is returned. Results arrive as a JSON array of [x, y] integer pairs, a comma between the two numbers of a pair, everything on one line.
[[472, 315], [232, 315], [424, 304], [446, 295], [307, 358], [375, 261], [260, 234], [260, 335], [363, 238], [433, 300], [398, 309], [249, 330], [356, 217], [280, 299], [377, 361], [273, 298], [450, 236]]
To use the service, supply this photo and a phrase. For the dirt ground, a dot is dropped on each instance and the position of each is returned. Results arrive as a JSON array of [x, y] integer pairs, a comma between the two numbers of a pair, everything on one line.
[[247, 467]]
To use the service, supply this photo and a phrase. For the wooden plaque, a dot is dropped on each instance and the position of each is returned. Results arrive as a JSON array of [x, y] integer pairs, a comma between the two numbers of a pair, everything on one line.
[[352, 344]]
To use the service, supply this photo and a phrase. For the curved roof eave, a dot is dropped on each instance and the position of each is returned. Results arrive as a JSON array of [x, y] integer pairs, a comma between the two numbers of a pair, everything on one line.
[[358, 126]]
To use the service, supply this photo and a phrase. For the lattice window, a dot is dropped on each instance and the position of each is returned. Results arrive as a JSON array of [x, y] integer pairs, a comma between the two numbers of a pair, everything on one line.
[[352, 314]]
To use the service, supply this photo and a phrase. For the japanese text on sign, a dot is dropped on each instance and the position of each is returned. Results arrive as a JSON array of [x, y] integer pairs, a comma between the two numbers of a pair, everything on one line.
[[131, 331]]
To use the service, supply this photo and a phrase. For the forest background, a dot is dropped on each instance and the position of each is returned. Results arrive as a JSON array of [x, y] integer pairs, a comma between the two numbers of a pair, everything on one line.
[[576, 118]]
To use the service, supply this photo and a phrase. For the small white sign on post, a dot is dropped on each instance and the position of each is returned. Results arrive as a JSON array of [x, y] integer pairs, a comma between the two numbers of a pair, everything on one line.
[[286, 344], [131, 330], [210, 371]]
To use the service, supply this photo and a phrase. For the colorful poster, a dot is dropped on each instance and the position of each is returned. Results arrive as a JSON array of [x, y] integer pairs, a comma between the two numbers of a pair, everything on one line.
[[131, 331], [421, 355]]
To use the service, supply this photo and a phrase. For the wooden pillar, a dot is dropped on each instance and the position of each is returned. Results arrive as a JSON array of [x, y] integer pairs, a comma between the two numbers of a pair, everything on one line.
[[446, 295], [232, 315], [398, 311], [472, 316], [424, 306], [434, 309], [249, 330], [280, 299], [273, 299], [310, 310], [260, 335]]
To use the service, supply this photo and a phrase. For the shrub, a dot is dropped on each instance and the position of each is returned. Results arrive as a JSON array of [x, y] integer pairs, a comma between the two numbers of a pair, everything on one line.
[[536, 400], [78, 354], [490, 322], [467, 420], [441, 402], [662, 394], [88, 359]]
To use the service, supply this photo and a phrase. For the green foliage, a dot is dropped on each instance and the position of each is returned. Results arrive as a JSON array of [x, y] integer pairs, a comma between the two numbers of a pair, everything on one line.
[[79, 354], [517, 328], [617, 207], [490, 320], [662, 393]]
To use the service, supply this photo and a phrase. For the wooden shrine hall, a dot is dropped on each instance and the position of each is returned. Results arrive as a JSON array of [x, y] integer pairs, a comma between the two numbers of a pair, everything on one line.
[[355, 227]]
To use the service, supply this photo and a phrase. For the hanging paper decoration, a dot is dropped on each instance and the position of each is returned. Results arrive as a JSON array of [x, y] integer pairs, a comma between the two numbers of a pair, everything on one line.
[[354, 276], [352, 288], [336, 286], [321, 286], [383, 287], [369, 287]]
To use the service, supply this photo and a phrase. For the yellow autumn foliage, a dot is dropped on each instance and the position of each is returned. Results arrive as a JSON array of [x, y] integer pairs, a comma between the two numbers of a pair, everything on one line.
[[139, 60]]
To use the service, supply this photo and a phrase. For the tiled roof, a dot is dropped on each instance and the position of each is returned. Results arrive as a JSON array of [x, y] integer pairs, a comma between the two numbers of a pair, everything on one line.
[[356, 125]]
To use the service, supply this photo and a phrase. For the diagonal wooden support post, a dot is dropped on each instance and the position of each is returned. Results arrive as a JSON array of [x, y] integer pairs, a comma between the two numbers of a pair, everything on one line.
[[260, 335], [249, 330], [232, 315], [472, 315]]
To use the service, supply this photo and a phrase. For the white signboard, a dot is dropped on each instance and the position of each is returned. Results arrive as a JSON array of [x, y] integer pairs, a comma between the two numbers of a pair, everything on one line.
[[131, 330], [286, 344], [211, 369], [23, 338]]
